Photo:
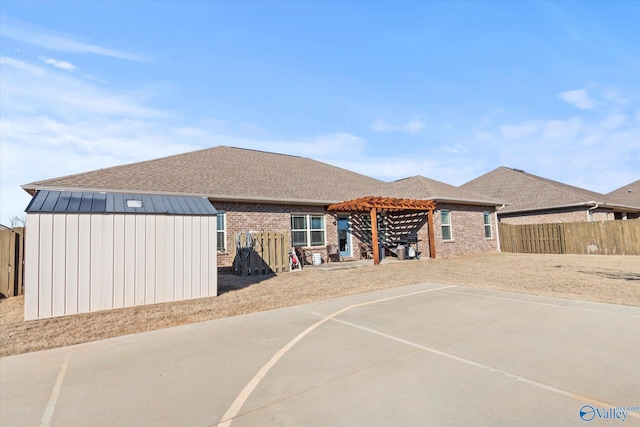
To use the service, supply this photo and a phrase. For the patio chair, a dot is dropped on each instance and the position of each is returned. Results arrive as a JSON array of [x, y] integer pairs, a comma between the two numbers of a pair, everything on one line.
[[366, 252], [304, 255], [333, 253]]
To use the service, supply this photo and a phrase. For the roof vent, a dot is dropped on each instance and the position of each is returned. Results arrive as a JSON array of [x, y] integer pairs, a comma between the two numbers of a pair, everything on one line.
[[134, 203], [518, 170]]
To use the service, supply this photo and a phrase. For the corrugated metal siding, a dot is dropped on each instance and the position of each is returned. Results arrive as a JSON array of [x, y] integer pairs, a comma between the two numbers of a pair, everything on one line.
[[48, 201], [80, 263]]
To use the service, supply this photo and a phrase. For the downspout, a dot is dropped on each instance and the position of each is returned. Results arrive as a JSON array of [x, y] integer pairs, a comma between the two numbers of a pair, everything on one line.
[[498, 226], [591, 208]]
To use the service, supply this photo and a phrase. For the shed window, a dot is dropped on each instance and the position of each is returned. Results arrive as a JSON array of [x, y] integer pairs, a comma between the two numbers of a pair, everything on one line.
[[445, 219], [487, 225], [307, 230], [134, 203], [222, 232]]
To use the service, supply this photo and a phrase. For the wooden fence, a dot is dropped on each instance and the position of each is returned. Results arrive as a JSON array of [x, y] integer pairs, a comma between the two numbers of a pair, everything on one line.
[[604, 238], [11, 262], [260, 253]]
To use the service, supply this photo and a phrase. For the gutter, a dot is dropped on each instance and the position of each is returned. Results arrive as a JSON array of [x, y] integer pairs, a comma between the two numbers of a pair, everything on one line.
[[596, 205], [576, 205]]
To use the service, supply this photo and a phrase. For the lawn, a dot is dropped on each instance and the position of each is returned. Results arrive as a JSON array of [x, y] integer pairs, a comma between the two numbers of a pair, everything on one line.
[[608, 279]]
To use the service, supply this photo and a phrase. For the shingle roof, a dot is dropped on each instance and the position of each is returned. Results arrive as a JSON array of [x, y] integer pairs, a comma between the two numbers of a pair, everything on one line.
[[225, 173], [228, 173], [527, 192], [85, 202], [419, 187], [627, 194]]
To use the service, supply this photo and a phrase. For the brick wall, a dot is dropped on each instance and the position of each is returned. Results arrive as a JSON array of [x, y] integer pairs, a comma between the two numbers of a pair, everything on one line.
[[467, 231], [467, 228], [265, 217]]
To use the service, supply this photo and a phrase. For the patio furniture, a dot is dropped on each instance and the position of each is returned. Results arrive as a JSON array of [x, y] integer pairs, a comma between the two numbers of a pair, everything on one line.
[[333, 253], [305, 255], [366, 252]]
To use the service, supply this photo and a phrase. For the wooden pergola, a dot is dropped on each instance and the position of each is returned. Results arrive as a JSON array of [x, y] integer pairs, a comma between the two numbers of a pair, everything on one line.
[[373, 205]]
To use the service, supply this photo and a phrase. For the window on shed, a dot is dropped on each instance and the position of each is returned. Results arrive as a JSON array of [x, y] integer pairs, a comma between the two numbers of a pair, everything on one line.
[[307, 230], [487, 224], [222, 232], [445, 220]]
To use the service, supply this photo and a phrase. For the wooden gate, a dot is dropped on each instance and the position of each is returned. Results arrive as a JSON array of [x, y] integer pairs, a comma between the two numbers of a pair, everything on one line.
[[532, 238], [260, 253], [11, 262]]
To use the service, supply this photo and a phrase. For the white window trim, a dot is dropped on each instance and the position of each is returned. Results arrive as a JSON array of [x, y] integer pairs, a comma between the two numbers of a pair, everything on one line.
[[450, 239], [224, 231], [487, 214], [309, 229]]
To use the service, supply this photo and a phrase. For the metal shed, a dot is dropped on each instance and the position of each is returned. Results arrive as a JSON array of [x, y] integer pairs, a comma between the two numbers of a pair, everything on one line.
[[88, 251]]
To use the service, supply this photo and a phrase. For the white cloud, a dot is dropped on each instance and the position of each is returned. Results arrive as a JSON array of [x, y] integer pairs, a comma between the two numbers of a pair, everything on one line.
[[586, 150], [578, 98], [483, 135], [20, 65], [44, 91], [614, 121], [453, 149], [41, 37], [518, 131], [563, 130], [63, 65], [414, 125]]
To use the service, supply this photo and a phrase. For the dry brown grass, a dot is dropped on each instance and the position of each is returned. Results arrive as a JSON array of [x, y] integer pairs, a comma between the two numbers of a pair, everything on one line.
[[610, 279]]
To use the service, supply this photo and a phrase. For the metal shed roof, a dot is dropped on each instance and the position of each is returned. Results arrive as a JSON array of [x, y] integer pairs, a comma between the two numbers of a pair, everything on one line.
[[47, 201]]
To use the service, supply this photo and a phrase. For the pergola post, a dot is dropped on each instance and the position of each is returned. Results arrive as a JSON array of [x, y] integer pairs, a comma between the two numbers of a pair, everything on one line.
[[374, 237], [432, 239], [374, 204]]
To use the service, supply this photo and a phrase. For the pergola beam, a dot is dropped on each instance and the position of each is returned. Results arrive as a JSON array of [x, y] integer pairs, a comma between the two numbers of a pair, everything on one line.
[[373, 205], [390, 204]]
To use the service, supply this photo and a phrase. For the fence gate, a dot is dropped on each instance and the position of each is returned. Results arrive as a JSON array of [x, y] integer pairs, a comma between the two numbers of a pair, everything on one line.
[[260, 253], [533, 238], [11, 262]]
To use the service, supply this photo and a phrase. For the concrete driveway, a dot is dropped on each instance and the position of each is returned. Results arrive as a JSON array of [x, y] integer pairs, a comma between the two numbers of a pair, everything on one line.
[[420, 355]]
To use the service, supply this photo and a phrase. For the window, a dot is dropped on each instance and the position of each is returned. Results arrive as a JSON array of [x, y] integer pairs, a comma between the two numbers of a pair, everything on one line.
[[221, 232], [487, 225], [307, 230], [445, 219]]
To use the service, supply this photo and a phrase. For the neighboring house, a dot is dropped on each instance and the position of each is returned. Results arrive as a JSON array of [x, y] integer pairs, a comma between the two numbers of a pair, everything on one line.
[[628, 195], [255, 190], [535, 200]]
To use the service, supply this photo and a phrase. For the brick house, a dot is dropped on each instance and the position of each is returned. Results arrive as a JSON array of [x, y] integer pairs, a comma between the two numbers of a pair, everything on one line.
[[255, 190], [536, 200]]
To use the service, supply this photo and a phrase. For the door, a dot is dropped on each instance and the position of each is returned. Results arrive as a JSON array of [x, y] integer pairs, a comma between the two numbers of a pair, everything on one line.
[[344, 235]]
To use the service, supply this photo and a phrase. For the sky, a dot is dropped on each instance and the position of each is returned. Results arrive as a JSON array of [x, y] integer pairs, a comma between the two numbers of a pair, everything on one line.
[[449, 90]]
